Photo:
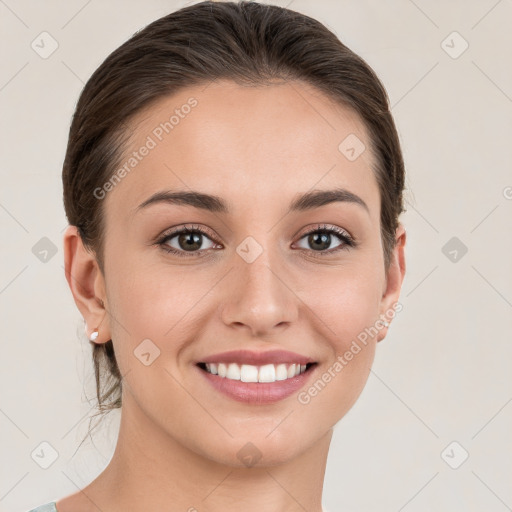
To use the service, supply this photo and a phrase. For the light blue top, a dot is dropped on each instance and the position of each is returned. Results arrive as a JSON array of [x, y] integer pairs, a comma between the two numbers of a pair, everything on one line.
[[50, 507], [47, 507]]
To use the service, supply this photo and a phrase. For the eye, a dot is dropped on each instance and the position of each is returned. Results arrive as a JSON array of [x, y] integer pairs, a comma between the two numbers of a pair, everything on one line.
[[320, 239], [187, 241]]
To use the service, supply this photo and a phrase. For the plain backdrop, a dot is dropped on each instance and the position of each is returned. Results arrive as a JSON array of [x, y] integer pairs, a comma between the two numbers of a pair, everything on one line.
[[432, 428]]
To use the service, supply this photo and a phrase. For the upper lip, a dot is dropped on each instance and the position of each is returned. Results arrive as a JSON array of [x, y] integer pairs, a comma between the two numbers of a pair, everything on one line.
[[258, 358]]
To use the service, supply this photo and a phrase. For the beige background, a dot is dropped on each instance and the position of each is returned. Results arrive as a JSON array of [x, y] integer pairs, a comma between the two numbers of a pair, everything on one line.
[[443, 374]]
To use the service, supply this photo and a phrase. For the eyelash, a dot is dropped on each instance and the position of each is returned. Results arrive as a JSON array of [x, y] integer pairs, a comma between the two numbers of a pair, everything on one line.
[[348, 241]]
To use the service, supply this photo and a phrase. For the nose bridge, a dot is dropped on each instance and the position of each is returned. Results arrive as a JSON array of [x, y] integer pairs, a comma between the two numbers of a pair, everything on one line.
[[255, 267], [259, 297]]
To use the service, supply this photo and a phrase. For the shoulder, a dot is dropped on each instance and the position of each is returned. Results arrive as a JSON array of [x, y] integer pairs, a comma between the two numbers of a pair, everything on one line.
[[47, 507]]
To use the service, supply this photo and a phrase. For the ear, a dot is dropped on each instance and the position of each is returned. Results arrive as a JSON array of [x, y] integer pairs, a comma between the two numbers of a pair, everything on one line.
[[86, 283], [394, 279]]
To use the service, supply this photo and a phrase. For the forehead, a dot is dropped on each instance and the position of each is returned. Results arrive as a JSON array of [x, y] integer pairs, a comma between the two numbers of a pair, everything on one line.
[[248, 144]]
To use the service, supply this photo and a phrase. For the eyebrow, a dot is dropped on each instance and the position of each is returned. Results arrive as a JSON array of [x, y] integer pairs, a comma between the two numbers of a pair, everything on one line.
[[215, 204]]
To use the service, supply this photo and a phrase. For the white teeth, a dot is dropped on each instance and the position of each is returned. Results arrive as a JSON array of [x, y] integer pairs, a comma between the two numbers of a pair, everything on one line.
[[251, 373], [222, 369], [281, 372], [233, 372], [267, 373]]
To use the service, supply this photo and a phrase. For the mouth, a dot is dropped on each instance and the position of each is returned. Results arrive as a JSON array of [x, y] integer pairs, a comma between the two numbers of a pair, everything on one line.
[[257, 377], [257, 385], [256, 373]]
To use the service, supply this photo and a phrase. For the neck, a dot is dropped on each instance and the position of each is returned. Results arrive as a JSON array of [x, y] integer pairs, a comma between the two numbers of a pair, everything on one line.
[[150, 470]]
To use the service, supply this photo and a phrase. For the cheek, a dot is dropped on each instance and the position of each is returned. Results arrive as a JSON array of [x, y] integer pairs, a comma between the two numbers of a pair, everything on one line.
[[345, 302], [347, 320], [157, 302], [345, 306], [149, 303]]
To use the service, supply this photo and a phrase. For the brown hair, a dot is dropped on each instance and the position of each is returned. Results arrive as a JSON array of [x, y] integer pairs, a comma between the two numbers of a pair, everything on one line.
[[247, 42]]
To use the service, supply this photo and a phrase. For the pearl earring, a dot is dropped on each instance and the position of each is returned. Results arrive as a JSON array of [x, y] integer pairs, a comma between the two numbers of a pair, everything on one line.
[[93, 335], [385, 323]]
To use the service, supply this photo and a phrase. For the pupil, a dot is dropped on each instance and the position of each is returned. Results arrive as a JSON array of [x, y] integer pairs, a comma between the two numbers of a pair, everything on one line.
[[320, 239], [190, 241]]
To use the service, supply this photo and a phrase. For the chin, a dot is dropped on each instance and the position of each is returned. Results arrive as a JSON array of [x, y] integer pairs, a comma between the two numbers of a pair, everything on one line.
[[259, 449]]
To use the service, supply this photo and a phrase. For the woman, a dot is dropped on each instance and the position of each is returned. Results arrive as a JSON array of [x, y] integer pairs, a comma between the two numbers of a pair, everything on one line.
[[233, 182]]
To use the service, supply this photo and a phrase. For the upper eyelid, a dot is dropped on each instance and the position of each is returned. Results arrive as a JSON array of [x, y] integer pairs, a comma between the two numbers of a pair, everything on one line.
[[186, 227], [325, 227]]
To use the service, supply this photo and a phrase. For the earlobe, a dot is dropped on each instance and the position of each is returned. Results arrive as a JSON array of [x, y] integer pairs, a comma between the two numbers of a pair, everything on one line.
[[87, 285], [394, 280]]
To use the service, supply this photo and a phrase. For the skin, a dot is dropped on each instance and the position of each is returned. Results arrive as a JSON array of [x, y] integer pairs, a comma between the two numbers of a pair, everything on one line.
[[258, 148]]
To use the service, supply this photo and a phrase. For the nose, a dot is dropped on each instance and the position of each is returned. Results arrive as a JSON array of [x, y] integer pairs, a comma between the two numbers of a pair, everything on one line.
[[258, 297]]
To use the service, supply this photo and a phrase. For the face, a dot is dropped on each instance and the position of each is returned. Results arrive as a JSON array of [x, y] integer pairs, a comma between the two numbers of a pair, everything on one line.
[[260, 270]]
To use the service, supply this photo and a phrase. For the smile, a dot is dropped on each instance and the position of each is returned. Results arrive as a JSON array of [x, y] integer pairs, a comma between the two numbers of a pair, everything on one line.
[[252, 373], [257, 384]]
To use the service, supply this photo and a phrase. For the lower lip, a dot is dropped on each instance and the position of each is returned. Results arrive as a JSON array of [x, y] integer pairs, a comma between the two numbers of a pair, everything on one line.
[[258, 392]]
